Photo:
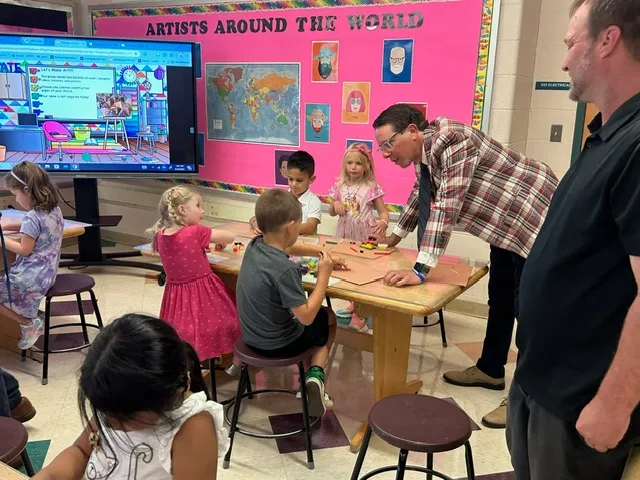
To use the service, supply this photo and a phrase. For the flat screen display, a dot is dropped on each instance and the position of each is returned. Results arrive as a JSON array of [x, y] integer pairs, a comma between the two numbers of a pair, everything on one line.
[[86, 105]]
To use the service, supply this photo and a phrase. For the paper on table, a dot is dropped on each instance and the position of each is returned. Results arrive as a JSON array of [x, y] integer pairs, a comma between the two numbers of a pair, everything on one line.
[[450, 274], [358, 277]]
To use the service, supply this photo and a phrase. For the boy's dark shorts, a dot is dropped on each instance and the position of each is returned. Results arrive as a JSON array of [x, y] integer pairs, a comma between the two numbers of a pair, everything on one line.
[[314, 335]]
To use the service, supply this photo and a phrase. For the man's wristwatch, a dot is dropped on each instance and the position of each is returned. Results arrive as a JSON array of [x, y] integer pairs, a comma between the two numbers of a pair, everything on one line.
[[421, 270]]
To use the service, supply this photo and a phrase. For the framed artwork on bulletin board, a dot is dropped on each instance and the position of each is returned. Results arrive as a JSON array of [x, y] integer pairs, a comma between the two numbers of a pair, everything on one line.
[[345, 61]]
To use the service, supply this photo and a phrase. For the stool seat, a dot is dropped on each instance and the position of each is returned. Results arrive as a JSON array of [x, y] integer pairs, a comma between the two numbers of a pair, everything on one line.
[[13, 439], [71, 284], [420, 423], [246, 354]]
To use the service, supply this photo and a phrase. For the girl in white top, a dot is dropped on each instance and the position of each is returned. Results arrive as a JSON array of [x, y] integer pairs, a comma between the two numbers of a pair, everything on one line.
[[147, 409]]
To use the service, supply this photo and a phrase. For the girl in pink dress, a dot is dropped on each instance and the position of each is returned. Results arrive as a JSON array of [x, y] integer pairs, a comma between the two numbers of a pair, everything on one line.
[[195, 302], [355, 196]]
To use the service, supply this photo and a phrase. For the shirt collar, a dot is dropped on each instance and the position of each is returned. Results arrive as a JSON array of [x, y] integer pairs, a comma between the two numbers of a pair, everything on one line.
[[304, 198], [619, 119]]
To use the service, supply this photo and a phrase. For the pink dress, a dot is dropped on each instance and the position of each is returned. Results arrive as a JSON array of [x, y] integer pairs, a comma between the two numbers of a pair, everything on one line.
[[359, 221], [196, 302]]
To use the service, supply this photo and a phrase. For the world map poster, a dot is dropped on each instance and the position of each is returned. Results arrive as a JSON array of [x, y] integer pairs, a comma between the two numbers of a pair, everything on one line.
[[254, 102]]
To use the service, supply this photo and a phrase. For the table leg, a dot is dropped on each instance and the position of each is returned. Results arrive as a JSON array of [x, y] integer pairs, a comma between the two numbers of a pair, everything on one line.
[[391, 343]]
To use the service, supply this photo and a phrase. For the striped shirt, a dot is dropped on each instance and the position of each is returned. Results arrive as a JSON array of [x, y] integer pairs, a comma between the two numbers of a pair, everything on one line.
[[485, 188]]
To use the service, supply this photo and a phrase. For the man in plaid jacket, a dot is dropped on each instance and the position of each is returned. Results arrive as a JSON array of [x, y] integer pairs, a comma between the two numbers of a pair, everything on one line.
[[484, 188]]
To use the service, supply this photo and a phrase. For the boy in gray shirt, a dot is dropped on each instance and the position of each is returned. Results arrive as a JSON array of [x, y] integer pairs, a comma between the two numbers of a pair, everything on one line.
[[276, 318]]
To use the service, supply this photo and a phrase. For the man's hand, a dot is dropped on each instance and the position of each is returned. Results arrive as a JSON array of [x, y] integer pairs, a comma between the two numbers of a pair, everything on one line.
[[601, 425], [339, 262], [401, 278], [381, 238], [338, 208]]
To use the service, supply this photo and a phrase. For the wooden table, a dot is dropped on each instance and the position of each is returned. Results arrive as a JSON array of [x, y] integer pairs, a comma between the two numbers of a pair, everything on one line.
[[8, 473], [392, 309], [9, 329]]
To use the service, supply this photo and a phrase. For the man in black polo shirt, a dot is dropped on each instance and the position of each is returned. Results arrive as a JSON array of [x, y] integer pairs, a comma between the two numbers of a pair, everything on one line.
[[573, 406]]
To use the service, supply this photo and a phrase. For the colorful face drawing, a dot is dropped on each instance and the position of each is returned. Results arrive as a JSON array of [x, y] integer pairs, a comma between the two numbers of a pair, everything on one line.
[[317, 119], [325, 60], [396, 60], [356, 102]]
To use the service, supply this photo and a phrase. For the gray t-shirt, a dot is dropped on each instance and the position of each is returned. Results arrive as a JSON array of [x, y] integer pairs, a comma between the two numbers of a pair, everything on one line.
[[269, 285]]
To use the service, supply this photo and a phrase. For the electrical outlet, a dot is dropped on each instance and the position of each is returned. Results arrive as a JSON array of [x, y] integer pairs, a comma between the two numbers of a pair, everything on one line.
[[556, 133], [213, 210]]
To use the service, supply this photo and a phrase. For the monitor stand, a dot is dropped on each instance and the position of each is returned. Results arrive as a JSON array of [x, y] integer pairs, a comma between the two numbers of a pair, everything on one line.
[[90, 243]]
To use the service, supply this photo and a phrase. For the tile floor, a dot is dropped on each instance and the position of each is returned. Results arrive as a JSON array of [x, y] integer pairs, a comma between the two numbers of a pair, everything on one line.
[[350, 382]]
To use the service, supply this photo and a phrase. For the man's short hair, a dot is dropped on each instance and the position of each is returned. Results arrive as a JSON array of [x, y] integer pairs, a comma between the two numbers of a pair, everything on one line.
[[400, 116], [275, 208], [303, 161], [622, 13]]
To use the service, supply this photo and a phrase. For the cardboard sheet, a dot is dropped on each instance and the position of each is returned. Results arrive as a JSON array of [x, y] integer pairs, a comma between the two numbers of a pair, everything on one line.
[[358, 277], [450, 274], [355, 250]]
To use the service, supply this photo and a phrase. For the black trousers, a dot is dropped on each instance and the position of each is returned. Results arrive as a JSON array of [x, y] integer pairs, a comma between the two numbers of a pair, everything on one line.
[[545, 447], [10, 395], [505, 270]]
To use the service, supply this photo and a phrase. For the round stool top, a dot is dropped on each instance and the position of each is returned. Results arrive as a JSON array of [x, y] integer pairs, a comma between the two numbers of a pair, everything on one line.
[[70, 284], [420, 423], [13, 439], [145, 134], [245, 353]]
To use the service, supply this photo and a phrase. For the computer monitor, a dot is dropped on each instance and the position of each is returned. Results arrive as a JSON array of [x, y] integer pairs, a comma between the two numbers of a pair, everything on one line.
[[98, 107]]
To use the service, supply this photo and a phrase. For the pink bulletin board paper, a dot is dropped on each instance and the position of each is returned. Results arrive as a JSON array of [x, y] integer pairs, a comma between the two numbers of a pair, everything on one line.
[[449, 69]]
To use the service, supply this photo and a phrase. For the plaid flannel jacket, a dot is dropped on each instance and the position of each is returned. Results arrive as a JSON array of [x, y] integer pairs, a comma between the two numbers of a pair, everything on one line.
[[487, 189]]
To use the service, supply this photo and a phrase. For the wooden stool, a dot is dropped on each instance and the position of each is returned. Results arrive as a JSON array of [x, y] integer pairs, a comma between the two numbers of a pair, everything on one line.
[[249, 357], [68, 284], [13, 443], [417, 423]]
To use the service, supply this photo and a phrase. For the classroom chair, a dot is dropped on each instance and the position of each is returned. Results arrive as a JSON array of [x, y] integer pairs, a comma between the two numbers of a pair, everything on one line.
[[55, 132], [13, 443], [427, 424], [67, 284], [251, 358]]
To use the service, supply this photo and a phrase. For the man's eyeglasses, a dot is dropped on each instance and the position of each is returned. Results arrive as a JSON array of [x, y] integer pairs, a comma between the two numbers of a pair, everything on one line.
[[387, 145]]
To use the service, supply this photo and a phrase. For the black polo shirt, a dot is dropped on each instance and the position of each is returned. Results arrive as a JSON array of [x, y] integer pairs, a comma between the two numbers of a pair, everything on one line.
[[577, 284]]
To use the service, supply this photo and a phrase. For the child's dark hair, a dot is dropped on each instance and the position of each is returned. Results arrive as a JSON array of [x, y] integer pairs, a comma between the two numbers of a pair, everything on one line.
[[276, 207], [303, 161], [36, 182], [137, 363], [283, 158]]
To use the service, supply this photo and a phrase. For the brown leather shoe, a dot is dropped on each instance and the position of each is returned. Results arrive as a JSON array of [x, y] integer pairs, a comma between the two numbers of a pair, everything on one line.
[[496, 418], [473, 377], [24, 412]]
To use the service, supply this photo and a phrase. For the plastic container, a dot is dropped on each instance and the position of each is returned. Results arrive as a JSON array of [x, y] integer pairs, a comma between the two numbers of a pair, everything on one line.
[[81, 133]]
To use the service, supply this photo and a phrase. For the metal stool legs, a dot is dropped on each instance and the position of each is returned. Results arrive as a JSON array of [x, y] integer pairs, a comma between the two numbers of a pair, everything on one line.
[[244, 374], [45, 353], [361, 454], [468, 457], [443, 333], [402, 466], [28, 467], [244, 390]]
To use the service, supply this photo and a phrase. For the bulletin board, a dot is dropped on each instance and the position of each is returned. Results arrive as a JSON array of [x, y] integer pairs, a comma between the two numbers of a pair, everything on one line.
[[275, 77]]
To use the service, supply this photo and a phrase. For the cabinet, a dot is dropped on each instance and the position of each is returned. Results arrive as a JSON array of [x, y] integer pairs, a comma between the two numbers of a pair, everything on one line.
[[12, 86]]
